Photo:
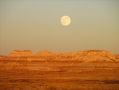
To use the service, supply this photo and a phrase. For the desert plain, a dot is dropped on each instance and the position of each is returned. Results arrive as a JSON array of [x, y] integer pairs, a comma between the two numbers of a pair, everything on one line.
[[79, 70]]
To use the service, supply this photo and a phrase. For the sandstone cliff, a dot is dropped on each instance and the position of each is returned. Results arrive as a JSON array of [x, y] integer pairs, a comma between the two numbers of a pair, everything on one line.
[[19, 53]]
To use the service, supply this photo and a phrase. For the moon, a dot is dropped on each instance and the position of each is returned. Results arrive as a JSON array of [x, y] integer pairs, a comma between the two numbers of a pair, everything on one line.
[[65, 20]]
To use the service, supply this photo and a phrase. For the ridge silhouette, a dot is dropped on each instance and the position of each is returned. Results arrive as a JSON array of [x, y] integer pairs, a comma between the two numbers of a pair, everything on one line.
[[85, 56]]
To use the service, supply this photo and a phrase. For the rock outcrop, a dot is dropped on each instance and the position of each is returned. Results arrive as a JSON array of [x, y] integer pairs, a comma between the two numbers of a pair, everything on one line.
[[19, 53], [44, 53], [83, 56], [96, 55]]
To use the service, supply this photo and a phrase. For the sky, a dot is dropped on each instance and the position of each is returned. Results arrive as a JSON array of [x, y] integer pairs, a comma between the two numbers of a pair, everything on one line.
[[35, 25]]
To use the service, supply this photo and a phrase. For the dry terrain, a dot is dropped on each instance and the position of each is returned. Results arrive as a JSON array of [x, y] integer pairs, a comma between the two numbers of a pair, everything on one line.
[[94, 74]]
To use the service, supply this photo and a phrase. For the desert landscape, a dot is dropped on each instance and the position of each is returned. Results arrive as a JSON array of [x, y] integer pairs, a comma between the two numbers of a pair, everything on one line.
[[59, 44], [45, 70]]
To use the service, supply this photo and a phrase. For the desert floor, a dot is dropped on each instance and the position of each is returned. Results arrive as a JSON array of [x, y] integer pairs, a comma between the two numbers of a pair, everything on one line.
[[59, 75]]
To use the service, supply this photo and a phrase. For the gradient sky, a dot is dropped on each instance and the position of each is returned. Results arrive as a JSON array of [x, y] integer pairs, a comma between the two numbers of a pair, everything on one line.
[[35, 25]]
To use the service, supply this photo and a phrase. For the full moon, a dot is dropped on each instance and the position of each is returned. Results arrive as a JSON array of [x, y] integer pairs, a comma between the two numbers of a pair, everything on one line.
[[65, 20]]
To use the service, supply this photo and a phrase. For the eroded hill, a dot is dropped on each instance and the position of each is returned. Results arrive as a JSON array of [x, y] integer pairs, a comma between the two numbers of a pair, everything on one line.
[[84, 56]]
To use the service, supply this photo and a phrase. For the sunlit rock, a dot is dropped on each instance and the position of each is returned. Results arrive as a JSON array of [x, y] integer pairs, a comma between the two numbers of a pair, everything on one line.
[[23, 53]]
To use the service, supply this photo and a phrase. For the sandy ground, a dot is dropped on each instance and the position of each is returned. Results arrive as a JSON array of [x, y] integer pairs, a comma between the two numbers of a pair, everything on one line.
[[59, 75]]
